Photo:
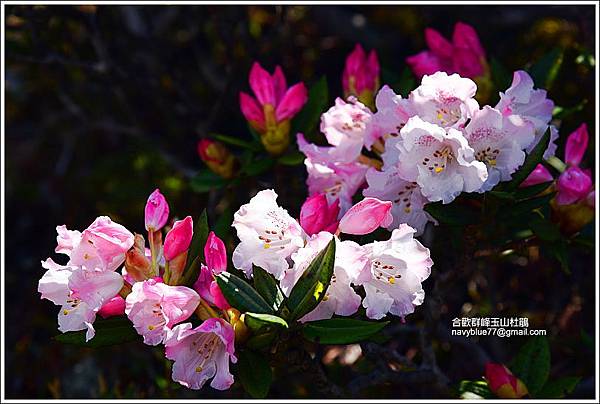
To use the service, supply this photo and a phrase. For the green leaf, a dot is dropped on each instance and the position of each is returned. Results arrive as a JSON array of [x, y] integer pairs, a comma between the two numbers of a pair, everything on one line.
[[533, 159], [258, 167], [453, 214], [112, 331], [254, 373], [500, 75], [528, 192], [261, 341], [532, 364], [312, 285], [474, 389], [292, 159], [198, 240], [545, 230], [559, 388], [525, 206], [406, 82], [268, 288], [341, 330], [223, 225], [256, 321], [234, 141], [206, 181], [307, 120], [560, 251], [545, 70], [190, 275], [241, 295], [562, 113]]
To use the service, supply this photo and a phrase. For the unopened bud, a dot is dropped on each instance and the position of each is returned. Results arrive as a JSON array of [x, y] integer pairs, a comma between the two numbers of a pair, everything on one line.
[[217, 157]]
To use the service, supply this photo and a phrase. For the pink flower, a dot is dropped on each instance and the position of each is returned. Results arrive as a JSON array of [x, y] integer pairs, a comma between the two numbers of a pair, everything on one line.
[[464, 55], [539, 175], [113, 307], [215, 253], [156, 211], [209, 290], [503, 383], [361, 75], [576, 145], [573, 185], [393, 112], [178, 239], [155, 307], [366, 216], [317, 214], [201, 353]]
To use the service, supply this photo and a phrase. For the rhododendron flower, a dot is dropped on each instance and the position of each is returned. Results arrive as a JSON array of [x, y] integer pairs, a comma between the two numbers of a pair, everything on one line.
[[156, 212], [326, 175], [539, 175], [361, 75], [202, 353], [113, 307], [217, 157], [344, 126], [397, 267], [317, 214], [532, 105], [274, 106], [366, 216], [573, 185], [445, 100], [576, 146], [498, 142], [154, 308], [441, 163], [503, 383], [268, 235], [340, 298], [215, 255], [406, 197], [392, 114], [464, 55]]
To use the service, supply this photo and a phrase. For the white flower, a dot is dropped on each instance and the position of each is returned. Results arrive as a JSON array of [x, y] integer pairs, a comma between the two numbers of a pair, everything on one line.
[[268, 235]]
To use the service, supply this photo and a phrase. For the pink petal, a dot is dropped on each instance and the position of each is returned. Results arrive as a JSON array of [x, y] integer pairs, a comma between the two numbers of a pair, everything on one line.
[[538, 176], [215, 253], [218, 298], [156, 212], [114, 307], [439, 45], [317, 215], [425, 63], [279, 84], [366, 216], [572, 185], [178, 239], [251, 110], [292, 102], [577, 143], [465, 37], [262, 85]]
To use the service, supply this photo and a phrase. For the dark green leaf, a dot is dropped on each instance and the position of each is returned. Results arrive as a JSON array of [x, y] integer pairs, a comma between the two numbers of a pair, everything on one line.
[[241, 295], [453, 214], [533, 159], [545, 70], [267, 286], [254, 133], [206, 181], [261, 341], [312, 285], [532, 364], [525, 206], [560, 251], [254, 373], [292, 159], [474, 389], [500, 75], [545, 230], [198, 240], [341, 330], [528, 192], [190, 275], [258, 167], [223, 225], [558, 388], [234, 141], [307, 121], [112, 331], [562, 113], [406, 82], [256, 321]]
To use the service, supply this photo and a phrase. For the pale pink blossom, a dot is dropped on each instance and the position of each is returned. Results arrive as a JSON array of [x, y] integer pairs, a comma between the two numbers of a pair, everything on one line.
[[268, 235], [318, 215], [154, 308], [202, 353], [392, 114], [156, 212], [397, 267], [366, 216]]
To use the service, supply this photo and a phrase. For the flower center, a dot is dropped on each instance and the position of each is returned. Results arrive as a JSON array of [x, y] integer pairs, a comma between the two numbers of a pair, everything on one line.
[[384, 272], [158, 316], [275, 235], [204, 345], [404, 196], [488, 156], [73, 302], [439, 160]]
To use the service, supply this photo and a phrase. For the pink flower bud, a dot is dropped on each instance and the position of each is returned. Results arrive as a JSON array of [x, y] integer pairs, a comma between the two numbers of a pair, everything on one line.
[[179, 238], [361, 75], [218, 298], [503, 383], [156, 212], [538, 176], [292, 102], [366, 216], [113, 307], [217, 157], [573, 184], [262, 85], [209, 290], [252, 111], [577, 143], [215, 254], [317, 215]]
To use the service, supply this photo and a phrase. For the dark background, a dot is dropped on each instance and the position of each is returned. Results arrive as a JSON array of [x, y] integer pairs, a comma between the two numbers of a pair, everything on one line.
[[103, 104]]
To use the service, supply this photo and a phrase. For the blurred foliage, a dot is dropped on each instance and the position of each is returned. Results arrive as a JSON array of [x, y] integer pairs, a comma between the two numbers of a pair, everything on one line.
[[106, 103]]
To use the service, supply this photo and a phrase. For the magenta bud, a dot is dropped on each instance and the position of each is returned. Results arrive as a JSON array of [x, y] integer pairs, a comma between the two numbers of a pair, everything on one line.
[[215, 254], [156, 212], [366, 216], [539, 175], [573, 185], [113, 307], [503, 383], [179, 238], [317, 215], [218, 298], [577, 143]]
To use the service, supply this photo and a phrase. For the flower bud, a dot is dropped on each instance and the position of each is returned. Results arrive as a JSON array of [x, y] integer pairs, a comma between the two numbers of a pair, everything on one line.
[[317, 215], [236, 319], [539, 175], [503, 383], [217, 157], [178, 239], [573, 185], [137, 264], [215, 253], [113, 307], [577, 143], [156, 211], [361, 75], [573, 217], [209, 290], [366, 216]]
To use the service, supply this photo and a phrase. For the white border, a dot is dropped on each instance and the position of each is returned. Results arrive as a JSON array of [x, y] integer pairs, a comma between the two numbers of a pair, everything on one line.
[[474, 3]]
